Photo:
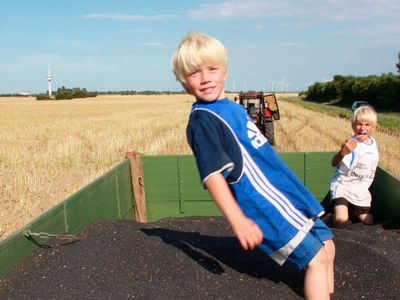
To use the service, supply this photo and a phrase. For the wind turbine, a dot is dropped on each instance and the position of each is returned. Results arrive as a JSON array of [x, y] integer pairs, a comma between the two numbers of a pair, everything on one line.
[[49, 79], [284, 84], [272, 85]]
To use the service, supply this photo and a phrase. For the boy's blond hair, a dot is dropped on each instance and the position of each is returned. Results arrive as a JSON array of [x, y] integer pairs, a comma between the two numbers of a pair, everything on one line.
[[366, 114], [195, 50]]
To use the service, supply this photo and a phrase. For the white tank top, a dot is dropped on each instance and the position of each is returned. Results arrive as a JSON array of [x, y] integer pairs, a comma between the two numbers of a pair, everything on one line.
[[355, 174]]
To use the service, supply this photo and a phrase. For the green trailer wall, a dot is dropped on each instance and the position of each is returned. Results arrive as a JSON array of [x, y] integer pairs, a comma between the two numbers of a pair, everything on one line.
[[172, 189], [386, 195], [108, 197]]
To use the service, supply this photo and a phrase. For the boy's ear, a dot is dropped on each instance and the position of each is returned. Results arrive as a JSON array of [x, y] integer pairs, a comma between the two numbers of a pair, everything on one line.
[[186, 89]]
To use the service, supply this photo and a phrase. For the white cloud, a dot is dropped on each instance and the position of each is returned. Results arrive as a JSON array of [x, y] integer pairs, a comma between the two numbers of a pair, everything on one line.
[[236, 9], [339, 10], [381, 34], [153, 45], [246, 29], [129, 18], [134, 31]]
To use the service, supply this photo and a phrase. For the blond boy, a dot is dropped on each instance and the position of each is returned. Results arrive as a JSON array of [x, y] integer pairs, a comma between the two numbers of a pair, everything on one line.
[[265, 203], [356, 164]]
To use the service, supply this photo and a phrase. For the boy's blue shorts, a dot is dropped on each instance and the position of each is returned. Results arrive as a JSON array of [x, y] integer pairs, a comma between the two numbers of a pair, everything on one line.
[[310, 245]]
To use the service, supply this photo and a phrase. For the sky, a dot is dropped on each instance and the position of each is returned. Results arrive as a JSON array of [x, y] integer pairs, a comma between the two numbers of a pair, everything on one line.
[[125, 45]]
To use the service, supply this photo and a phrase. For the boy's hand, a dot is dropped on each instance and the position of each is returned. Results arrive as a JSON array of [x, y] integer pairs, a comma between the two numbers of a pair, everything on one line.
[[348, 146], [247, 232]]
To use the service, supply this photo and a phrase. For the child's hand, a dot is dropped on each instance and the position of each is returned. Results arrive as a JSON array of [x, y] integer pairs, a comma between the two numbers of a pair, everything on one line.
[[348, 146], [248, 233]]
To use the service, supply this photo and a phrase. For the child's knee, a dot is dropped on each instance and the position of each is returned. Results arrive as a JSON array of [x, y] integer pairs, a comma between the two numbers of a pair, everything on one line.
[[340, 219], [330, 249], [320, 260], [341, 214], [367, 219]]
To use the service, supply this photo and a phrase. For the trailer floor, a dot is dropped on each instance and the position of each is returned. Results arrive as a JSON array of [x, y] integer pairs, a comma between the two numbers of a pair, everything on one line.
[[196, 258]]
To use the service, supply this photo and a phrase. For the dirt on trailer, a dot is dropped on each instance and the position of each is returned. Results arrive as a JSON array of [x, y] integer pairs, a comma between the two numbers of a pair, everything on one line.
[[196, 258]]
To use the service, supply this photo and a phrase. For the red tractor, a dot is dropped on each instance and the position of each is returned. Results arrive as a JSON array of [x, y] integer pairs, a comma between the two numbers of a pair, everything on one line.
[[263, 109]]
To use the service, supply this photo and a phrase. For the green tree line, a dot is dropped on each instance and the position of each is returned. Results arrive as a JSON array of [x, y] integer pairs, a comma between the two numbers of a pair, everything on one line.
[[63, 93], [382, 92]]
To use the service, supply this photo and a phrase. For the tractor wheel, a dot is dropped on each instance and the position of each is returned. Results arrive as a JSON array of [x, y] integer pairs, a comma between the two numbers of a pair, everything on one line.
[[269, 132]]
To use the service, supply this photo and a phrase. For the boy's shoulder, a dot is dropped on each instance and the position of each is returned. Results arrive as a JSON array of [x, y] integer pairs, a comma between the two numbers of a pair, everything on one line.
[[217, 106], [372, 142], [218, 111]]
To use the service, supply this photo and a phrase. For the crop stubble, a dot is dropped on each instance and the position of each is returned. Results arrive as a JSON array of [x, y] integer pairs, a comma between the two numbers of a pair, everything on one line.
[[50, 149]]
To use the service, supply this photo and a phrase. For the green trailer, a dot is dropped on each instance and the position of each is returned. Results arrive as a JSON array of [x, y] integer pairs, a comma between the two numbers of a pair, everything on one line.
[[149, 188]]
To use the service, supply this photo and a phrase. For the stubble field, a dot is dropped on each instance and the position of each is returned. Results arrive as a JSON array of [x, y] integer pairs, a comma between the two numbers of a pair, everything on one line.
[[50, 149]]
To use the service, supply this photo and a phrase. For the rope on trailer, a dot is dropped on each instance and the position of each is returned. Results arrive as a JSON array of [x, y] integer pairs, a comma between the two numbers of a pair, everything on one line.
[[70, 238]]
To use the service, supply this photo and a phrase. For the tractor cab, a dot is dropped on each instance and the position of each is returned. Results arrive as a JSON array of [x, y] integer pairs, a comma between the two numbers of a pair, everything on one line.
[[263, 109]]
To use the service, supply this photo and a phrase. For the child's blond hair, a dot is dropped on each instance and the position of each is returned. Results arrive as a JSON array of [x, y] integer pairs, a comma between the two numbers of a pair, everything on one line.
[[366, 114], [195, 50]]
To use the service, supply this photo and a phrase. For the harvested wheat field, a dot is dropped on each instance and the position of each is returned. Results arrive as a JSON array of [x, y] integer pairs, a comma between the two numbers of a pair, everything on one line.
[[50, 149]]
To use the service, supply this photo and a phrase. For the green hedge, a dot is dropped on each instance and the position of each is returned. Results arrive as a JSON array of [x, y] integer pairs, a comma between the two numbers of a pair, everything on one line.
[[382, 92]]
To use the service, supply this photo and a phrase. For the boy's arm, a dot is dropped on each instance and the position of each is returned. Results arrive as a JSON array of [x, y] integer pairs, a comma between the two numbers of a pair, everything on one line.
[[247, 232], [347, 146]]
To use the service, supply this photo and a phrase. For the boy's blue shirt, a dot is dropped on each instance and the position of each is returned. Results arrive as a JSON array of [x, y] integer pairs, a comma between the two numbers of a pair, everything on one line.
[[224, 139]]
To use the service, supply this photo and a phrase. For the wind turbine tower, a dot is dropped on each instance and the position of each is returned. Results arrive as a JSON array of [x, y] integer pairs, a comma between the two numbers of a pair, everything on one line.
[[284, 85], [49, 79]]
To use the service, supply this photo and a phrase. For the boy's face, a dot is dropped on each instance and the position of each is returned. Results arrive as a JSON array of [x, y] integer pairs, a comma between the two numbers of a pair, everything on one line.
[[207, 82], [362, 130]]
